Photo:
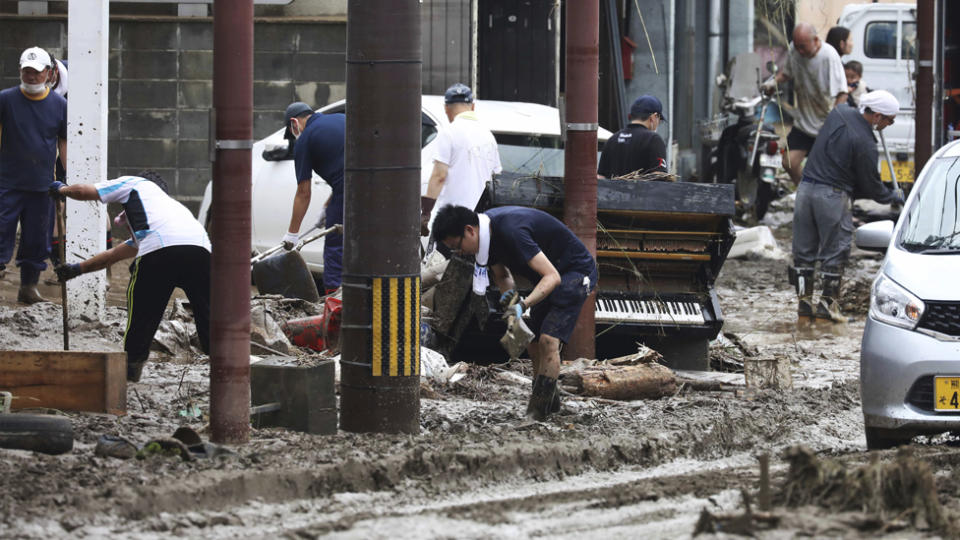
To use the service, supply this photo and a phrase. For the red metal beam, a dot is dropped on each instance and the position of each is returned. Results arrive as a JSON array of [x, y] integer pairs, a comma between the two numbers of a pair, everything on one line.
[[580, 158], [230, 287], [923, 147]]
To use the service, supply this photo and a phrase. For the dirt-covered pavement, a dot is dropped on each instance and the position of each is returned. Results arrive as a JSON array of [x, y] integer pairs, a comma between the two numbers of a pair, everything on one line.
[[478, 469]]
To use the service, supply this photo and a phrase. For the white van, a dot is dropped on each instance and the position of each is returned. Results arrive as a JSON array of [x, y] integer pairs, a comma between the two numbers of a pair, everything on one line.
[[884, 40]]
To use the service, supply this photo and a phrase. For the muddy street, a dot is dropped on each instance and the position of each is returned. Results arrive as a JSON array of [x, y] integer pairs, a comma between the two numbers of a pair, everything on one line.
[[478, 469]]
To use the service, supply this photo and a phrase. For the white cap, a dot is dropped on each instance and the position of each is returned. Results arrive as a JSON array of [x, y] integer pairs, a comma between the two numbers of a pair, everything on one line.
[[880, 101], [35, 58]]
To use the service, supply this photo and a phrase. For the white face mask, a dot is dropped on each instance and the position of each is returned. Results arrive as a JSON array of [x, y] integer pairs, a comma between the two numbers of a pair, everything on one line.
[[295, 128], [33, 88]]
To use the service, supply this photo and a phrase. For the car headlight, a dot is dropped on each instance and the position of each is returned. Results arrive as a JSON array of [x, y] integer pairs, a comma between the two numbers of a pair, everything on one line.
[[892, 304]]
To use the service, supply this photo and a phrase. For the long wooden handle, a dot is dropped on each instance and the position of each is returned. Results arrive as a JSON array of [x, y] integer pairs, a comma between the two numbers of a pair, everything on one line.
[[62, 224]]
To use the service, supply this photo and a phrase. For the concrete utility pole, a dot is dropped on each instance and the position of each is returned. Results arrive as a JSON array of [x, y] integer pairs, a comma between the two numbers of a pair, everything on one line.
[[380, 360], [88, 44], [580, 158], [923, 146], [230, 288]]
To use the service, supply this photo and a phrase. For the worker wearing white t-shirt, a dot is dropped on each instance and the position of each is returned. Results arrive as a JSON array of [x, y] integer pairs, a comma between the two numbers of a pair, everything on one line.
[[466, 158], [171, 249]]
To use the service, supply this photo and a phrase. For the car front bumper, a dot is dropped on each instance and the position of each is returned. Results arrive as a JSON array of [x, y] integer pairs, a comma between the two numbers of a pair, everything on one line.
[[893, 359]]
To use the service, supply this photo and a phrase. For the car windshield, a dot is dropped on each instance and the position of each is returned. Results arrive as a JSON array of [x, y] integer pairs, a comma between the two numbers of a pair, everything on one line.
[[535, 155], [933, 224]]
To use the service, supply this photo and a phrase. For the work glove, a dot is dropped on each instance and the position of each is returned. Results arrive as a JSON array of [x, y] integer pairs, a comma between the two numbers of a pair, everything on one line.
[[322, 218], [769, 86], [516, 310], [54, 190], [426, 206], [66, 272], [507, 297], [289, 240], [898, 196]]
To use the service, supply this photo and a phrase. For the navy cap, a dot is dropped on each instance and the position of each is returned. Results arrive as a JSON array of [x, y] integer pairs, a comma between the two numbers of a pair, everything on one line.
[[458, 93], [294, 110], [645, 106]]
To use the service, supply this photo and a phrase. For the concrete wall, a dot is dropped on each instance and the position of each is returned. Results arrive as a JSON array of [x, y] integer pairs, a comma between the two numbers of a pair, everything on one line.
[[161, 86]]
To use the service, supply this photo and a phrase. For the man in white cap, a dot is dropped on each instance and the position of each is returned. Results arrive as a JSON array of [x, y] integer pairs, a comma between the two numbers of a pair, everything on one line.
[[33, 125], [842, 166], [466, 158]]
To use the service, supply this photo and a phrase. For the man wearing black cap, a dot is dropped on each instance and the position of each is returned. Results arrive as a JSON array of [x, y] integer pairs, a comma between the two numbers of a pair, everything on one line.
[[466, 157], [318, 149], [637, 147]]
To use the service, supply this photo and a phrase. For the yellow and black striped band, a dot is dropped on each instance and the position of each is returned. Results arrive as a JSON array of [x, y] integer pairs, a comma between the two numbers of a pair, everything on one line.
[[395, 323]]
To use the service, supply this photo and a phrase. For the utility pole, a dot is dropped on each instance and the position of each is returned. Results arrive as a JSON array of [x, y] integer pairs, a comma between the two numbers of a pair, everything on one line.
[[231, 123], [580, 157], [380, 358], [923, 146]]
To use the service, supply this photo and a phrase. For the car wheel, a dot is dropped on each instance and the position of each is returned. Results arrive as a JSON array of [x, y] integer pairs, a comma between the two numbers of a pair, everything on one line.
[[38, 432], [882, 439]]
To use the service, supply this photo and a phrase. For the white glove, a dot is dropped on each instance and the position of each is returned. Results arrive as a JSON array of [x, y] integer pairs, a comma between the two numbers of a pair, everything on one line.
[[289, 240], [769, 86], [322, 218]]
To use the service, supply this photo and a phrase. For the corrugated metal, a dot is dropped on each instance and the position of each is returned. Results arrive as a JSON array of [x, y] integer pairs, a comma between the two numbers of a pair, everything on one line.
[[446, 40]]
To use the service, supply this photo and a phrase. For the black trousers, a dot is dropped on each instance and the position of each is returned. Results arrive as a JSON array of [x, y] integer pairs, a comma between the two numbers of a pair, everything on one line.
[[152, 280]]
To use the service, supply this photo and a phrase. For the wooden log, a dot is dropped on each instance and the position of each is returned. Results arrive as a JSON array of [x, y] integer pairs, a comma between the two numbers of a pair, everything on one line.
[[642, 381], [66, 380]]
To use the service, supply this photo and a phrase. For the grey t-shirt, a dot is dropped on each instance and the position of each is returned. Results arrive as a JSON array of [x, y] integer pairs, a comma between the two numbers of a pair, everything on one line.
[[816, 82]]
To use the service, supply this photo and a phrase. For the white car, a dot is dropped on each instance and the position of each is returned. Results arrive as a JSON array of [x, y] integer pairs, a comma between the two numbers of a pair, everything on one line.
[[528, 136]]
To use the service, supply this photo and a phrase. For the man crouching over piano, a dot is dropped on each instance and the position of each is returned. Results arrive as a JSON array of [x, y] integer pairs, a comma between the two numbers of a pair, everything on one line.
[[527, 242]]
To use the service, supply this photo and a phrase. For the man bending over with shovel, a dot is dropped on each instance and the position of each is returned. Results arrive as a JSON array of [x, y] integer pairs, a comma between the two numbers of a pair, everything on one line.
[[171, 250], [533, 244]]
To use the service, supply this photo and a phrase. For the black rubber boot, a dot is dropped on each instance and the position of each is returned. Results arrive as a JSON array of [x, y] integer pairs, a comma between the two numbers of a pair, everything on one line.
[[802, 279], [828, 307], [541, 400], [28, 293], [555, 404], [135, 367]]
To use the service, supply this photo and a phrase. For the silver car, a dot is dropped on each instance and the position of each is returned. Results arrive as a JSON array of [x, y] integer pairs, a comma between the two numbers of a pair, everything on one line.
[[910, 354]]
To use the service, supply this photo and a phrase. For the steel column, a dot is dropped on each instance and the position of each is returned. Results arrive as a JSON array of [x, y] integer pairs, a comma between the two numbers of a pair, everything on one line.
[[580, 158], [923, 147], [380, 360], [230, 289]]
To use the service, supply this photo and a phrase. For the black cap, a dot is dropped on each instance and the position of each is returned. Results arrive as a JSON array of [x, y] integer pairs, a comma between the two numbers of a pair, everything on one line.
[[295, 109], [458, 93], [645, 106]]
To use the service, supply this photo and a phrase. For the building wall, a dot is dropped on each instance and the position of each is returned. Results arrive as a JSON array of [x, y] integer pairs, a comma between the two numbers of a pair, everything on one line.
[[161, 87]]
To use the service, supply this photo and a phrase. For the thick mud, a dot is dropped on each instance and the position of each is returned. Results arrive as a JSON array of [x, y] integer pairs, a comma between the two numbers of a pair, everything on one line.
[[478, 468]]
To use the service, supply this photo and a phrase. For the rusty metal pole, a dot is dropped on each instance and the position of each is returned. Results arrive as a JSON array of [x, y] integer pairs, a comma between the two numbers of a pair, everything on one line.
[[580, 158], [380, 356], [923, 147], [232, 124]]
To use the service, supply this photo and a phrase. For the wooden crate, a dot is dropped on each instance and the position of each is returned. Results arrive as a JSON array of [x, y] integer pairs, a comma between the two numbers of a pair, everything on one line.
[[66, 380]]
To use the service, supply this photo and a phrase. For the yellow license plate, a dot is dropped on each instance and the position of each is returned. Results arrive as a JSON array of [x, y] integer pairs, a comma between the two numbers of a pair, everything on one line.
[[904, 170], [946, 393]]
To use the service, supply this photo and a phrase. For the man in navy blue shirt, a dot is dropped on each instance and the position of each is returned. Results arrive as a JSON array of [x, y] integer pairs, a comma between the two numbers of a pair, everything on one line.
[[532, 244], [319, 149], [33, 125]]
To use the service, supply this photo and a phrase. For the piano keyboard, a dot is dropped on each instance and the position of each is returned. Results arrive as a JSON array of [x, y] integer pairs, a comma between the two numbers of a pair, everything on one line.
[[648, 311]]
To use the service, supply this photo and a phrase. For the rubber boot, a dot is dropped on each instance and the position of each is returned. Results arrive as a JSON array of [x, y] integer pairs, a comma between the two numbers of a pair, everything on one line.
[[804, 284], [555, 404], [135, 366], [28, 293], [828, 308], [541, 400]]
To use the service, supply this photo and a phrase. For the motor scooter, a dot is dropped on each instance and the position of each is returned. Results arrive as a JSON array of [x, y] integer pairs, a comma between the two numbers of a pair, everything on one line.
[[744, 150]]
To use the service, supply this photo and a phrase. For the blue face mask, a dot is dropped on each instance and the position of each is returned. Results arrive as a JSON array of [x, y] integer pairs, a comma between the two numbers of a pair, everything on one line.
[[854, 85]]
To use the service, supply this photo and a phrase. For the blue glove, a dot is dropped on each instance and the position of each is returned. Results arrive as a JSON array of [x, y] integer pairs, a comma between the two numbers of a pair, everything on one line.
[[54, 190], [506, 298], [517, 310]]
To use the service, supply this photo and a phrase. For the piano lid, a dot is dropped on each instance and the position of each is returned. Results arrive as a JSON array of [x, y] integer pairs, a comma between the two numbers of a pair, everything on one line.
[[546, 192]]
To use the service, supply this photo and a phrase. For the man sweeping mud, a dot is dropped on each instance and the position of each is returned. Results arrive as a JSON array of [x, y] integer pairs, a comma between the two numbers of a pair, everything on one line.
[[533, 244], [171, 250]]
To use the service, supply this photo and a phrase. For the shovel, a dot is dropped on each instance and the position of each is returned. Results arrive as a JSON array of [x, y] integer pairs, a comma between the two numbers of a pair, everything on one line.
[[893, 175], [518, 334], [287, 273], [62, 237]]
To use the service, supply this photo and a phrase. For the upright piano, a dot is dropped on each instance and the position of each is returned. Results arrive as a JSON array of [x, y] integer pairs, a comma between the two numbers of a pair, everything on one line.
[[660, 247]]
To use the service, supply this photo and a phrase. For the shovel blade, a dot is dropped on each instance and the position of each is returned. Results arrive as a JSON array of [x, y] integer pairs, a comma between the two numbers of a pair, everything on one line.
[[517, 337], [285, 273]]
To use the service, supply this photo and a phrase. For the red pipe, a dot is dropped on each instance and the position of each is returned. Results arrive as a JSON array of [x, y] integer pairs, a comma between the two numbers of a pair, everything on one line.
[[230, 288], [580, 158], [923, 146]]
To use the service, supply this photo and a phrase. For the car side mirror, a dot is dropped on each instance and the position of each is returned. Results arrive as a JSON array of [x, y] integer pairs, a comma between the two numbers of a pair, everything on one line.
[[874, 236]]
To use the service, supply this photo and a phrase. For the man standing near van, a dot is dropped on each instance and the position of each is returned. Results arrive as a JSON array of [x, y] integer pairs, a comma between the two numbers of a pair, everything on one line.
[[842, 167], [466, 157], [819, 84], [637, 147]]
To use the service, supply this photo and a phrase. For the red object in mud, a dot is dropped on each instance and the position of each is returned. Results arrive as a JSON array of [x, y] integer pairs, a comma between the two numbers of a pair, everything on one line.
[[319, 332]]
